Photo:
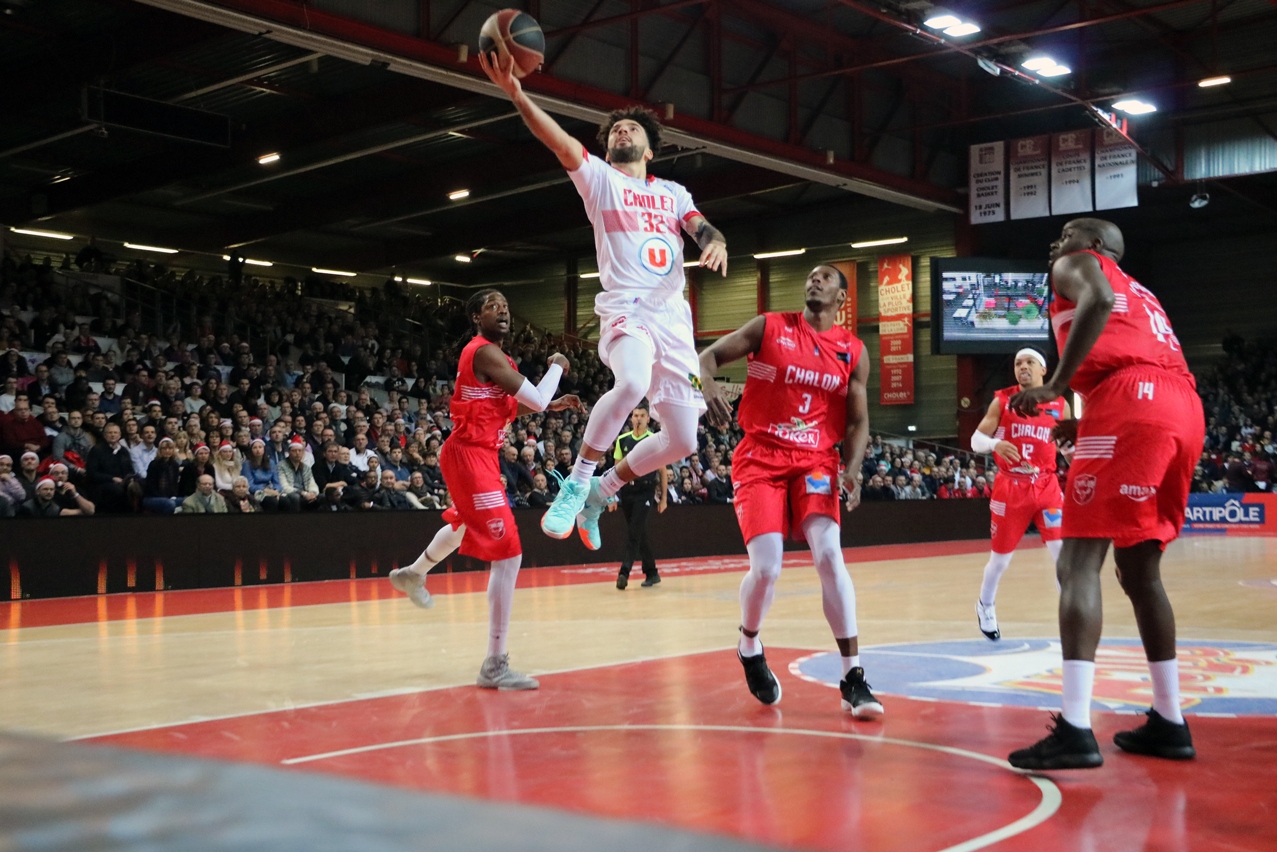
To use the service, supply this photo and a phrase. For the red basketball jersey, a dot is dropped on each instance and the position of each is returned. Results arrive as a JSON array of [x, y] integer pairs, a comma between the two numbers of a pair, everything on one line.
[[1031, 435], [796, 391], [480, 411], [1137, 333]]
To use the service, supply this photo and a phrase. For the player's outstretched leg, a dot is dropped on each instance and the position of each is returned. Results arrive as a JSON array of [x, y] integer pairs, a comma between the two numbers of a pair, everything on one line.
[[984, 606], [411, 579], [1165, 734], [496, 672], [757, 591], [1070, 743], [838, 595], [631, 363]]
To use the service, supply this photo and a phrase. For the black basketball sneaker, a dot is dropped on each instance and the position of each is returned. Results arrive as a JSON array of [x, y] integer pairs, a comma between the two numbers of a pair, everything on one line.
[[1066, 747], [856, 697], [1158, 737], [762, 683]]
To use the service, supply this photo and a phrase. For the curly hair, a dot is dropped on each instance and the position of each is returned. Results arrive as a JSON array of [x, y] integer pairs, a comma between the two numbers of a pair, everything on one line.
[[645, 118]]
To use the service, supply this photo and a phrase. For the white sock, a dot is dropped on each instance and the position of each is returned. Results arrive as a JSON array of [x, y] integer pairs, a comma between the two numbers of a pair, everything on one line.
[[993, 570], [849, 663], [582, 471], [1166, 690], [1079, 680], [610, 483], [445, 541], [1054, 548], [500, 601], [749, 646]]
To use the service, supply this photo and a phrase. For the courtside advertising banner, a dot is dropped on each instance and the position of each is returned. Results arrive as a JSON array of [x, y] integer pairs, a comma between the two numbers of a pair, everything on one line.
[[1232, 514], [895, 329], [987, 176], [1115, 174], [1030, 170], [846, 317], [1071, 172]]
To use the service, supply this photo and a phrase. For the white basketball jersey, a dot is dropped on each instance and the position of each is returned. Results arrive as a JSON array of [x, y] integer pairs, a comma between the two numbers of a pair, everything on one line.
[[637, 228]]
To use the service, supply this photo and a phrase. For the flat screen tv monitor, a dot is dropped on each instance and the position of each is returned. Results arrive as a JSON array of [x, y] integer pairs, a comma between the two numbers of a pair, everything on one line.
[[987, 306]]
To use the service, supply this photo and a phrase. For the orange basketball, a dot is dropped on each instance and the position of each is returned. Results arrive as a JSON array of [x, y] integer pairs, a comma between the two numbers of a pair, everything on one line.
[[521, 35]]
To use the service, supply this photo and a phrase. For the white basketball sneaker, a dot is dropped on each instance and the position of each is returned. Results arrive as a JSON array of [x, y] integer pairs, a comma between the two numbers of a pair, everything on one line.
[[988, 621]]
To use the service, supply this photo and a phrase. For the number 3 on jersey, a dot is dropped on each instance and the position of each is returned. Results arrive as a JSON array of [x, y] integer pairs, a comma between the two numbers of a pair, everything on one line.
[[806, 406]]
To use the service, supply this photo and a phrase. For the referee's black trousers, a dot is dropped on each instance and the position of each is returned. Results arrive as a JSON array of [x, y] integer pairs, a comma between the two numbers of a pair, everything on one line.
[[637, 546]]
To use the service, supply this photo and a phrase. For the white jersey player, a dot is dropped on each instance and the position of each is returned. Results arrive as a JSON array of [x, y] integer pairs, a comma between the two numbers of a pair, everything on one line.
[[646, 324]]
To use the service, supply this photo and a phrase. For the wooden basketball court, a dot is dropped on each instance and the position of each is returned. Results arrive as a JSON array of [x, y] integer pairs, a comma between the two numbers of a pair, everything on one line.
[[643, 711]]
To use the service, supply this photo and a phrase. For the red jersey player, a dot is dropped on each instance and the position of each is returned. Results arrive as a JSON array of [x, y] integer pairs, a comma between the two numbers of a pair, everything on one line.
[[805, 392], [489, 394], [1026, 489], [1138, 440]]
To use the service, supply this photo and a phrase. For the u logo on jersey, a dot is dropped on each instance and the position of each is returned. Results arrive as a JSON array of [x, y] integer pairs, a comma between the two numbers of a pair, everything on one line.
[[656, 255]]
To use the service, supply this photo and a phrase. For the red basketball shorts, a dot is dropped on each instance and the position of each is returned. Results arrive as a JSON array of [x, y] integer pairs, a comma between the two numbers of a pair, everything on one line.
[[776, 490], [1016, 501], [478, 501], [1139, 439]]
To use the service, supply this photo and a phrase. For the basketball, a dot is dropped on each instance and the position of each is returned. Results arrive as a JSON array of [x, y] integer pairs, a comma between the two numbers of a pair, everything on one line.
[[521, 35]]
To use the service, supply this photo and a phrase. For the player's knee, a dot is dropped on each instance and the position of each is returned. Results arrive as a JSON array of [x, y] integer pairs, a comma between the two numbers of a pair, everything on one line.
[[629, 390], [768, 573], [682, 439]]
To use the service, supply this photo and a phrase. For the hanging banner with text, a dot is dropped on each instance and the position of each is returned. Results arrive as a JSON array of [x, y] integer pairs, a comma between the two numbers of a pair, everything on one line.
[[895, 329], [1071, 172], [1030, 167], [846, 317], [987, 188], [1115, 172]]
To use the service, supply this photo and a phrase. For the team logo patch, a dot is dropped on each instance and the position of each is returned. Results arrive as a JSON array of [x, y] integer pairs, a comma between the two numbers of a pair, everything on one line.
[[1052, 518], [1215, 677], [786, 342], [818, 483], [696, 381], [496, 528], [1083, 489], [656, 255]]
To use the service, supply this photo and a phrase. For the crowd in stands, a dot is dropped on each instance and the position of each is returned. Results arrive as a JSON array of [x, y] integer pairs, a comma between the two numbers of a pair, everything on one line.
[[1239, 395]]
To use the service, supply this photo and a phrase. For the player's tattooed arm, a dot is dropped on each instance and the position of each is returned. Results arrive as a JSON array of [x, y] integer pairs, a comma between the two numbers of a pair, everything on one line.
[[712, 243], [743, 341]]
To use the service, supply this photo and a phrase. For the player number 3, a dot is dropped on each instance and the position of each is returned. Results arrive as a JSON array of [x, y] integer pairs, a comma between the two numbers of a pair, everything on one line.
[[806, 406]]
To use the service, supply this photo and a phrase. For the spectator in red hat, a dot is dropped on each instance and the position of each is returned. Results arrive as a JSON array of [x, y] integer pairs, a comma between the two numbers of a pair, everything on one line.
[[42, 504], [198, 466], [20, 432], [66, 495], [161, 493], [225, 468], [262, 476], [296, 479]]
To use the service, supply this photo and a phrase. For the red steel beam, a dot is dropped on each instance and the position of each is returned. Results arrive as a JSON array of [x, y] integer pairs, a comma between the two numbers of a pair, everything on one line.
[[628, 16]]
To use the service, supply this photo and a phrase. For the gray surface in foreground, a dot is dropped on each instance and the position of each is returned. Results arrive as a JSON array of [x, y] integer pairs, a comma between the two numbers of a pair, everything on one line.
[[60, 796]]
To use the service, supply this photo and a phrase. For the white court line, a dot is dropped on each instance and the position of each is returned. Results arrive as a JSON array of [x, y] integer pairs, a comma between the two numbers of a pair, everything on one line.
[[1046, 808], [365, 696]]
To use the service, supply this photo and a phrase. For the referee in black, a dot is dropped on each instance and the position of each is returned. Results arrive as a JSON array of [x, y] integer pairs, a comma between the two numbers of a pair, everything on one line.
[[636, 498]]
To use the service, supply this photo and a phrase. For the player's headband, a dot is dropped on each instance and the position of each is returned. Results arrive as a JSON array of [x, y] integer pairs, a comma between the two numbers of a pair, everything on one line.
[[1032, 353]]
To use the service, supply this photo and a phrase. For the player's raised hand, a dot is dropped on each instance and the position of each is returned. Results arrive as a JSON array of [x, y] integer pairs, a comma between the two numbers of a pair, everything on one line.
[[1026, 402], [499, 66], [714, 256], [561, 360], [566, 401], [718, 408], [1065, 432], [1008, 451]]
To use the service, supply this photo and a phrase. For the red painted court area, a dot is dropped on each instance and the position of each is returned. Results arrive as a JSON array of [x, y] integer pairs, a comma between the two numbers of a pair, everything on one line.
[[681, 742]]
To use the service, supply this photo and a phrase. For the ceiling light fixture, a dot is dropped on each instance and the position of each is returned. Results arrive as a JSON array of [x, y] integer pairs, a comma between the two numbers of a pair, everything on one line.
[[1056, 71], [588, 275], [1209, 82], [340, 272], [941, 20], [250, 261], [787, 253], [158, 249], [399, 278], [964, 29], [462, 258], [889, 241], [1134, 106], [1037, 63], [424, 282], [267, 159], [458, 195], [53, 235]]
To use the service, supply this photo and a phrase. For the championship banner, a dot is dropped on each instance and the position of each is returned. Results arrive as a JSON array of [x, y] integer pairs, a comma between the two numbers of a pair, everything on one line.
[[1115, 172], [987, 176], [895, 329], [846, 317], [1030, 165], [1071, 172], [1232, 514]]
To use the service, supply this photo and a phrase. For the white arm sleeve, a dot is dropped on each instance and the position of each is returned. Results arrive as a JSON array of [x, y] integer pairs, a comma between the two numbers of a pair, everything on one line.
[[983, 443], [539, 396]]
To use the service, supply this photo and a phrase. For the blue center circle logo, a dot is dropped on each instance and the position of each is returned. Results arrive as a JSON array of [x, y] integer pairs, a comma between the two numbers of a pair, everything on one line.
[[1227, 678]]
